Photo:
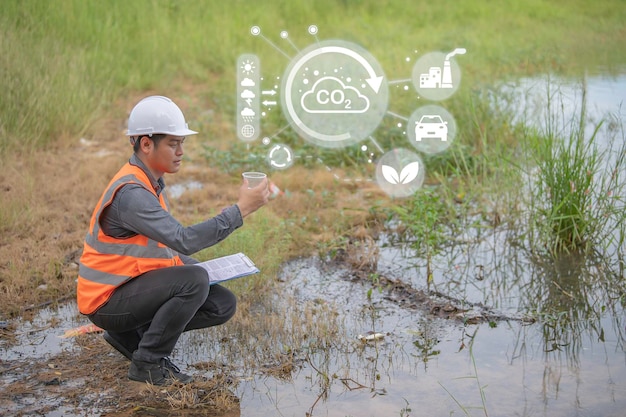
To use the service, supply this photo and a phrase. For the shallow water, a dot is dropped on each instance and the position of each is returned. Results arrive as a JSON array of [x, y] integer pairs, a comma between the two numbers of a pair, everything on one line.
[[425, 364], [556, 104], [422, 364]]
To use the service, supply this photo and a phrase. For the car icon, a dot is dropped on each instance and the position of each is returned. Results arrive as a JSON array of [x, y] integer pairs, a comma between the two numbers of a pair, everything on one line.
[[431, 126]]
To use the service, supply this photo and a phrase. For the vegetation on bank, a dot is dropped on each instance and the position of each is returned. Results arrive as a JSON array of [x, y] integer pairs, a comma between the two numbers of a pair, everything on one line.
[[73, 69]]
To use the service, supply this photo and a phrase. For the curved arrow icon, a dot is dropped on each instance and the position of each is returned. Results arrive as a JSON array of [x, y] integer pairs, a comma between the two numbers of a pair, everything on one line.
[[374, 81]]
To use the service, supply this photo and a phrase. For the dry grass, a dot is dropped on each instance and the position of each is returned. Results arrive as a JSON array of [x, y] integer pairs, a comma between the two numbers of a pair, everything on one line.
[[211, 397], [49, 196]]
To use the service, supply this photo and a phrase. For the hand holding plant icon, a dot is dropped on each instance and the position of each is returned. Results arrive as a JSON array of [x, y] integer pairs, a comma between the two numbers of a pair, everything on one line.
[[407, 174]]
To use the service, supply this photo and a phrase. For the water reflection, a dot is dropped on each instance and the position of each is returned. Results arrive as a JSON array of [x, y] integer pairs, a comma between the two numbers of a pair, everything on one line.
[[572, 295], [577, 301], [526, 99], [569, 295]]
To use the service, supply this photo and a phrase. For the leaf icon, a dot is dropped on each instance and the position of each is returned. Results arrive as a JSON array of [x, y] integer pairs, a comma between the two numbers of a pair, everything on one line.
[[409, 172], [390, 174]]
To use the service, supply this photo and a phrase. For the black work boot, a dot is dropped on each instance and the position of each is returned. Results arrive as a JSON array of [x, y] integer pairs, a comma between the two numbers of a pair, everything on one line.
[[125, 343], [159, 373]]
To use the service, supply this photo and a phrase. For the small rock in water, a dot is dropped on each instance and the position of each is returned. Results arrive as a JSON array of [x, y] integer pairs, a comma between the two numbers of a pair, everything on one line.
[[371, 337]]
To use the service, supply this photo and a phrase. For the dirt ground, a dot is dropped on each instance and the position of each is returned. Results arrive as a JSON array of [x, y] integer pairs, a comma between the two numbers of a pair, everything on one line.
[[92, 381]]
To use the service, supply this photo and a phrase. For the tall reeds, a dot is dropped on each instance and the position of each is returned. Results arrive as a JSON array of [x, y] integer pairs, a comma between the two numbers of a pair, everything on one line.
[[577, 186]]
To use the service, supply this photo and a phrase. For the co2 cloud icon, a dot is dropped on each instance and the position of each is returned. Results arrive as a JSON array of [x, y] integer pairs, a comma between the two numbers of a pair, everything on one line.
[[334, 94], [330, 95]]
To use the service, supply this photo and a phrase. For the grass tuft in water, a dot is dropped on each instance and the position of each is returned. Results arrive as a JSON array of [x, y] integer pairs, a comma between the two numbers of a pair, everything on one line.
[[577, 188]]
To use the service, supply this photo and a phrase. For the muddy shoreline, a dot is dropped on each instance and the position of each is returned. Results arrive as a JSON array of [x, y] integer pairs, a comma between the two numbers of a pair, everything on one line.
[[83, 375]]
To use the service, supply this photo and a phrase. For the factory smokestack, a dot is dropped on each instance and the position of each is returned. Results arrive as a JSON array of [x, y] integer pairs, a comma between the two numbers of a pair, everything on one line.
[[446, 78]]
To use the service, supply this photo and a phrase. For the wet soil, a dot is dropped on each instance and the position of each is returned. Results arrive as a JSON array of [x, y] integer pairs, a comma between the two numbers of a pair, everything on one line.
[[83, 375], [91, 380]]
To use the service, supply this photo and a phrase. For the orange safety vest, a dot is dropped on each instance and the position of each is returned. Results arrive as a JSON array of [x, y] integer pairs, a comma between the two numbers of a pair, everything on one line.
[[108, 262]]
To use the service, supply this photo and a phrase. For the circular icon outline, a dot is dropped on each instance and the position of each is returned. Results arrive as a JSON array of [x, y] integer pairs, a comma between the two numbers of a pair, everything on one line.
[[436, 117], [363, 123], [280, 156], [436, 75], [400, 172]]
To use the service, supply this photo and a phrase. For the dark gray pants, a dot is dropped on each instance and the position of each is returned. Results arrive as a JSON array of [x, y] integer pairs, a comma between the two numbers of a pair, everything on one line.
[[151, 311]]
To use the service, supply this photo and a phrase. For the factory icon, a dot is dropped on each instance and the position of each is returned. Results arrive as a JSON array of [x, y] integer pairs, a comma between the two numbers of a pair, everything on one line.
[[438, 78]]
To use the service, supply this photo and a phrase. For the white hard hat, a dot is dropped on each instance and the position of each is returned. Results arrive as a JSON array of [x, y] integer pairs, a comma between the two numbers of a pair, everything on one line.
[[157, 114]]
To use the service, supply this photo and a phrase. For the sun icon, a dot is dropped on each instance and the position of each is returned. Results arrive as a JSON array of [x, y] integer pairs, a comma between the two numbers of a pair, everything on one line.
[[248, 67]]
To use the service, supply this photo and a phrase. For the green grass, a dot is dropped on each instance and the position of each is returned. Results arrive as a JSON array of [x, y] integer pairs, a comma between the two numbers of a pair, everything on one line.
[[261, 227], [63, 62], [577, 189]]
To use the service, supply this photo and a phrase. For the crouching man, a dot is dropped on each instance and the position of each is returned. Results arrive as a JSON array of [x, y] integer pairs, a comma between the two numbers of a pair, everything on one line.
[[136, 277]]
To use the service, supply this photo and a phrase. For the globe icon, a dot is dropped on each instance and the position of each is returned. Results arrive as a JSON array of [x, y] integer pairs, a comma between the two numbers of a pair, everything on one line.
[[247, 131]]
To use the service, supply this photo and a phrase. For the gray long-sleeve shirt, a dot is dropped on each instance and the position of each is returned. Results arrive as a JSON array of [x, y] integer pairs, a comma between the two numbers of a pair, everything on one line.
[[135, 210]]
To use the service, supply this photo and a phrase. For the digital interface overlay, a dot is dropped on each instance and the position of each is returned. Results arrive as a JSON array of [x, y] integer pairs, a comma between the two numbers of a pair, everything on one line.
[[335, 94]]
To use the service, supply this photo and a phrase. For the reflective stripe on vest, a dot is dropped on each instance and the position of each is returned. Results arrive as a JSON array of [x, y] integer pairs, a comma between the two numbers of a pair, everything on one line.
[[108, 262]]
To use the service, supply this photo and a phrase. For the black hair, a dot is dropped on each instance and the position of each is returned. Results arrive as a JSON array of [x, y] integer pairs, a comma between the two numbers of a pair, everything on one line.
[[156, 138]]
